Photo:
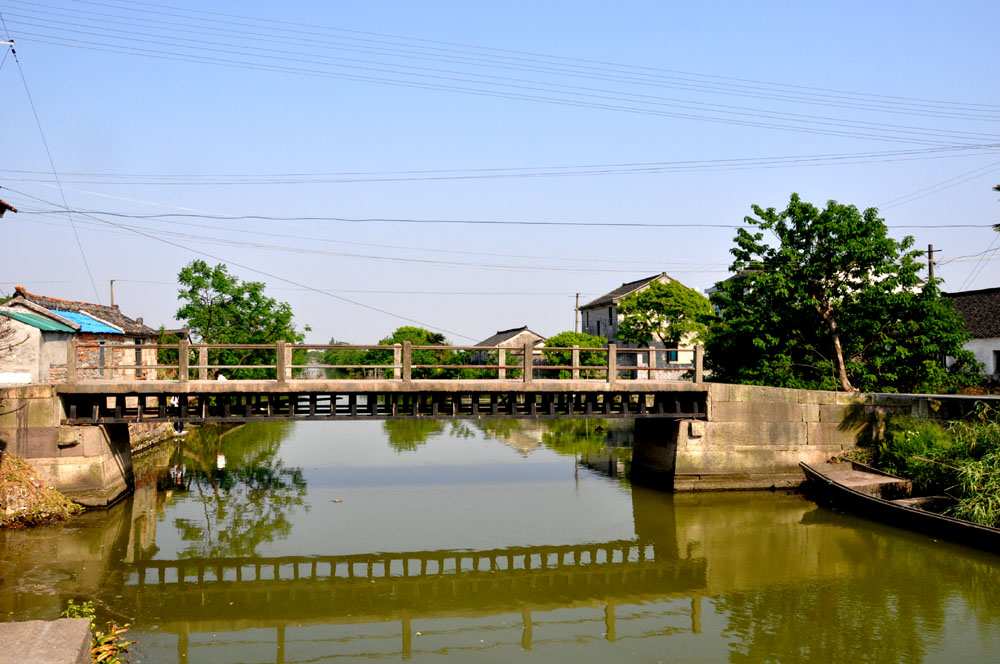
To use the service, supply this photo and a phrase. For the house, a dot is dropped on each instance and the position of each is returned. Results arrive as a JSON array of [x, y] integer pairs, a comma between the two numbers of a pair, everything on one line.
[[981, 311], [31, 343], [104, 336], [600, 317], [514, 338]]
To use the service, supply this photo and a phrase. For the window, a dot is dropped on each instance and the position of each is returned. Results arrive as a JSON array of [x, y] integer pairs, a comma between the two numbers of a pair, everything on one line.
[[671, 356], [996, 361]]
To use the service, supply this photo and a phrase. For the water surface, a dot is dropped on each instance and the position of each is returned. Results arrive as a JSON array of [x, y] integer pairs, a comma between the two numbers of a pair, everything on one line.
[[487, 541]]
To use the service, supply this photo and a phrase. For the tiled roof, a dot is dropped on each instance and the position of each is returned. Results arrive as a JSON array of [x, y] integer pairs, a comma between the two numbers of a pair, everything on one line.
[[608, 299], [34, 320], [88, 323], [101, 312], [505, 335], [981, 311]]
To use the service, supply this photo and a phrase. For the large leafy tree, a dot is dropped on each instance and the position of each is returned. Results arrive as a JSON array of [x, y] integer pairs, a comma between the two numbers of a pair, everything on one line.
[[590, 358], [670, 312], [219, 308], [417, 336], [830, 301]]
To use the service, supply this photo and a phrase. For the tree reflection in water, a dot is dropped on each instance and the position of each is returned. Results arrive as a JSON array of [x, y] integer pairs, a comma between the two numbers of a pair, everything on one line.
[[245, 490]]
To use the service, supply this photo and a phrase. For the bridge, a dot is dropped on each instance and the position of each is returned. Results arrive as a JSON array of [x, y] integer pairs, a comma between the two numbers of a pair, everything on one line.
[[192, 596], [269, 384]]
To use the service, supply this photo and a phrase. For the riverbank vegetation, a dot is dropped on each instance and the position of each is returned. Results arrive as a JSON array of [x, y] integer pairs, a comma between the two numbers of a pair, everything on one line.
[[107, 646], [27, 501], [960, 459]]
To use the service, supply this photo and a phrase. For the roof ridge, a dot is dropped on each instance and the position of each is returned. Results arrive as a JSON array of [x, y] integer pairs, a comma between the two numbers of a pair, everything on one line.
[[59, 299]]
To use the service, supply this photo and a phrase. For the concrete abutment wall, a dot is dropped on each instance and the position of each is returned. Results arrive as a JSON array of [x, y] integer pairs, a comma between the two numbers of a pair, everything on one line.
[[89, 464], [755, 437]]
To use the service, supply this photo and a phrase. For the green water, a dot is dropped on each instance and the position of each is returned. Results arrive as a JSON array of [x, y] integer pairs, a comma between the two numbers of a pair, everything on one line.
[[487, 541]]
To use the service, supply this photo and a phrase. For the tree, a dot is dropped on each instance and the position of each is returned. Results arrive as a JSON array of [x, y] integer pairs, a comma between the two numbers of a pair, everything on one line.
[[417, 336], [343, 356], [219, 308], [835, 303], [670, 312], [590, 358]]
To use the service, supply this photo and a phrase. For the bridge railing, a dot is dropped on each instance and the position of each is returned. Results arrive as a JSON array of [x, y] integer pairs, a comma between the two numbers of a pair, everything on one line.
[[284, 362]]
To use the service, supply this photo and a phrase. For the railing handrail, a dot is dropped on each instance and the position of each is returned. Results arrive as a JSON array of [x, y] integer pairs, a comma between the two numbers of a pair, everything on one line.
[[400, 367]]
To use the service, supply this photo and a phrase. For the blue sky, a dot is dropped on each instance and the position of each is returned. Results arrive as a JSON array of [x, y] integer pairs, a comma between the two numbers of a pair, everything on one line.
[[559, 95]]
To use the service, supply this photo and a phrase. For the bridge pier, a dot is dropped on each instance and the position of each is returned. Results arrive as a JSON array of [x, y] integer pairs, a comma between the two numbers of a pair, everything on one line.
[[91, 465]]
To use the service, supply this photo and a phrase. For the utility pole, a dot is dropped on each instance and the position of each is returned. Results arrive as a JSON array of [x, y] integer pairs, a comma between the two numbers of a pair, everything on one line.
[[930, 262], [576, 314], [112, 292]]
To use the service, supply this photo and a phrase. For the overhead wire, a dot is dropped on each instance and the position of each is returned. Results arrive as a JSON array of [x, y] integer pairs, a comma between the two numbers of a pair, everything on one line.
[[273, 53], [638, 168], [52, 163], [526, 89], [941, 186], [510, 55]]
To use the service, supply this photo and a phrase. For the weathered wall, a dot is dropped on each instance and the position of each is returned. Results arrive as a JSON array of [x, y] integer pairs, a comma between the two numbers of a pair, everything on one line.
[[20, 363], [755, 437], [90, 464]]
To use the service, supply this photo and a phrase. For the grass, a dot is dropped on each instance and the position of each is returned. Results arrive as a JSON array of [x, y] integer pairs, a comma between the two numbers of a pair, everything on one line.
[[960, 459], [25, 500]]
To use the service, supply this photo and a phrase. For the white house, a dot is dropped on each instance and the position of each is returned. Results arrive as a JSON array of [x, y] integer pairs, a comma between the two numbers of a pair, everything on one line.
[[981, 311], [601, 317]]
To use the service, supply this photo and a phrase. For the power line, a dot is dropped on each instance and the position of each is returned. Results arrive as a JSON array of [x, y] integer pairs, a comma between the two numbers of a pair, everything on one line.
[[638, 168], [941, 186], [274, 276], [52, 162], [507, 87], [509, 55], [474, 222]]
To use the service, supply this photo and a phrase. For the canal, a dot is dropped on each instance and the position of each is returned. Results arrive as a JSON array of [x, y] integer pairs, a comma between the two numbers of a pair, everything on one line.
[[487, 541]]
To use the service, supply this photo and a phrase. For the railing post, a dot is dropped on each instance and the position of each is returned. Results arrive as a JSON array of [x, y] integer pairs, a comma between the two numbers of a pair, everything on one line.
[[407, 361], [282, 361], [529, 362], [576, 362], [502, 360], [183, 353], [71, 360], [699, 356], [202, 364], [651, 374], [397, 362], [612, 363]]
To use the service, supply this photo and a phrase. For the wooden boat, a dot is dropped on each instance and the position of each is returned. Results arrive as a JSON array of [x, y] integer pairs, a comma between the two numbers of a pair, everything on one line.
[[859, 489]]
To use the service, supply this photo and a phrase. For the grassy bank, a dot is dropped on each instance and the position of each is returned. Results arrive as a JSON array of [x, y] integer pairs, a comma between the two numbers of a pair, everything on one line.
[[960, 459], [25, 500]]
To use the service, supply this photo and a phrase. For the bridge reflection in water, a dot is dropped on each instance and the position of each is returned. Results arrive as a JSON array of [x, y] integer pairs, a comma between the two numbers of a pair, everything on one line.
[[246, 593]]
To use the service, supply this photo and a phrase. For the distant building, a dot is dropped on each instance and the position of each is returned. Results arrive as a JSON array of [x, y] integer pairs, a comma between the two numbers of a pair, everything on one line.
[[981, 311], [105, 337], [514, 338], [600, 317]]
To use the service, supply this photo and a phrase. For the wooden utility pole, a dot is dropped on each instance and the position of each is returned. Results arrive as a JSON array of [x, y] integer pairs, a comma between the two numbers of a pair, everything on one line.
[[576, 314], [930, 262]]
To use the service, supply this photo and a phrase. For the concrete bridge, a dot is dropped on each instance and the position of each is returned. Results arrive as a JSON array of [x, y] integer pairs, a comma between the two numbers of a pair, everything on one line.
[[689, 434]]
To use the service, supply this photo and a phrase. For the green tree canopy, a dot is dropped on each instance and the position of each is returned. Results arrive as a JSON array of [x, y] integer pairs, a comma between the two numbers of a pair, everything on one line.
[[219, 308], [343, 356], [670, 312], [590, 358], [832, 303], [417, 336]]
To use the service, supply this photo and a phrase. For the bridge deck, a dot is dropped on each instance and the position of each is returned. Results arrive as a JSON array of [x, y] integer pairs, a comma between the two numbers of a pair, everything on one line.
[[108, 402]]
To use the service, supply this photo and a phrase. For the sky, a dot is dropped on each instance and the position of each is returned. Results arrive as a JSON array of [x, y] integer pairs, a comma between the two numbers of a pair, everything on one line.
[[348, 153]]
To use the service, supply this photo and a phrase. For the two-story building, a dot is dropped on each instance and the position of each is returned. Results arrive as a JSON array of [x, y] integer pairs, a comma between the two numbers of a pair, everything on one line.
[[601, 317]]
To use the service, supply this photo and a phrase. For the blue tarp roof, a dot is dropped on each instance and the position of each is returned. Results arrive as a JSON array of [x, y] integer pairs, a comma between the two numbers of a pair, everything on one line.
[[86, 323]]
